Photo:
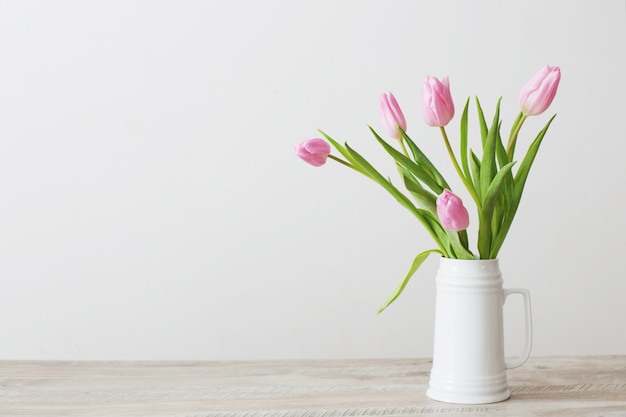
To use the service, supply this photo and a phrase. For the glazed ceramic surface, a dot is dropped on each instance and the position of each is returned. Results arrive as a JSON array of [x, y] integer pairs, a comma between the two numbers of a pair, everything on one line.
[[469, 364]]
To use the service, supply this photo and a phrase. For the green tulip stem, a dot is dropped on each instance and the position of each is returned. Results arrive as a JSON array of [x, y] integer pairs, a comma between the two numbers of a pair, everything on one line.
[[510, 149], [404, 148], [469, 186], [341, 161]]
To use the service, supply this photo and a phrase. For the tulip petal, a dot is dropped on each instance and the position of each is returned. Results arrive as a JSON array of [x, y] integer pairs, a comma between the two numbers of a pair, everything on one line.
[[452, 214], [436, 104], [313, 151], [391, 115], [538, 93]]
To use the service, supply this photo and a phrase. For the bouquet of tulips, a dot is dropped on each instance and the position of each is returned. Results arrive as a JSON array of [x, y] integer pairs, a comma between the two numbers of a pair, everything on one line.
[[490, 178]]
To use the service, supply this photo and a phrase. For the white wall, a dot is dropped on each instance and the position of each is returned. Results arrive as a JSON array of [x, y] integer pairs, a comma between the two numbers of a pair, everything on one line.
[[151, 206]]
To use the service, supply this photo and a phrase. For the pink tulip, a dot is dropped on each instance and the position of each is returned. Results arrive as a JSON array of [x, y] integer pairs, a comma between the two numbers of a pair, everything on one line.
[[391, 115], [437, 104], [313, 151], [451, 212], [537, 95]]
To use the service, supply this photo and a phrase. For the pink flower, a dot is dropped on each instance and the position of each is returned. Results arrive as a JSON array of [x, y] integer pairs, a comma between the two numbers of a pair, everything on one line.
[[391, 115], [452, 214], [539, 92], [313, 151], [437, 104]]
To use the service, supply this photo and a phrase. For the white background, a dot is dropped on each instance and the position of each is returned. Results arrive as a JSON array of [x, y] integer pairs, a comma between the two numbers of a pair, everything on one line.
[[151, 206]]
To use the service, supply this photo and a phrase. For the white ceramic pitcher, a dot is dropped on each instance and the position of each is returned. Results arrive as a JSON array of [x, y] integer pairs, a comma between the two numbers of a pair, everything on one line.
[[469, 366]]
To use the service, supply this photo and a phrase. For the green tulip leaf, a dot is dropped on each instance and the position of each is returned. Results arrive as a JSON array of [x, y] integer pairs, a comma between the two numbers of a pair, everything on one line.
[[343, 151], [475, 164], [417, 262], [482, 123], [487, 167], [421, 159], [422, 215], [527, 162], [503, 159], [463, 143], [519, 182], [424, 198], [411, 166], [460, 250], [485, 237]]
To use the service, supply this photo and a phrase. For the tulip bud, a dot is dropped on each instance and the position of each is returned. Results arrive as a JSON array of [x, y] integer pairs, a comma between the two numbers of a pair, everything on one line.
[[437, 104], [391, 115], [313, 151], [538, 93], [452, 214]]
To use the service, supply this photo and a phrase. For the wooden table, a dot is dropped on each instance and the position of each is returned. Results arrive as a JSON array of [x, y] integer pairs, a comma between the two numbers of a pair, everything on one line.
[[558, 386]]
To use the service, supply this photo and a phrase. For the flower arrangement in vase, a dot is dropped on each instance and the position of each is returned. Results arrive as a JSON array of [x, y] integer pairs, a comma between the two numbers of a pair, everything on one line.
[[494, 179]]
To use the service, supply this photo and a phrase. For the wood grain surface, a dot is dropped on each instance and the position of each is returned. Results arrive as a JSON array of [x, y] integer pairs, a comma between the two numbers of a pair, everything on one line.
[[556, 386]]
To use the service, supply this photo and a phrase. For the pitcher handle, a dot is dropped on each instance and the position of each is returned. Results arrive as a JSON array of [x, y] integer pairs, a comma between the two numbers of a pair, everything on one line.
[[529, 326]]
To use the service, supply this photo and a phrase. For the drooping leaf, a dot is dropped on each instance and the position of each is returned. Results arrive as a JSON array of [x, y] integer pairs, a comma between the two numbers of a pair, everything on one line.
[[417, 262]]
